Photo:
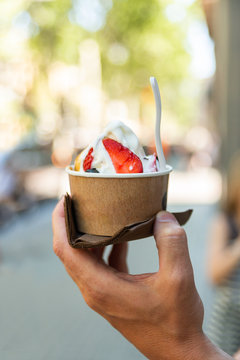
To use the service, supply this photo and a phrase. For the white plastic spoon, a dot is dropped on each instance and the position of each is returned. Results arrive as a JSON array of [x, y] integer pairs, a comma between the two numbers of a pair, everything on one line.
[[156, 92]]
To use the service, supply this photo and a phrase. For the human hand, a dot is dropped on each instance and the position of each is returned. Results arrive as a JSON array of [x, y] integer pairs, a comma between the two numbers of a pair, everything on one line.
[[160, 313]]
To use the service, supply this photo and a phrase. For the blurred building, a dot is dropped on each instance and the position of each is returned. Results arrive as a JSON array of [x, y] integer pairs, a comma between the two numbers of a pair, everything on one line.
[[224, 26]]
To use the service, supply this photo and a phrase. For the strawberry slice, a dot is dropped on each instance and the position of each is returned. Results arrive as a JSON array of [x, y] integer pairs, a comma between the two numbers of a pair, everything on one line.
[[123, 159], [88, 160]]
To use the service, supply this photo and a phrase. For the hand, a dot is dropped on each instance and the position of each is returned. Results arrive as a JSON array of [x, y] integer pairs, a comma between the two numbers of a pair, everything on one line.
[[160, 313]]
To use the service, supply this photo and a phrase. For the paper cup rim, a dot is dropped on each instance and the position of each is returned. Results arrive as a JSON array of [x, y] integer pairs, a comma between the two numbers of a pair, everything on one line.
[[135, 175]]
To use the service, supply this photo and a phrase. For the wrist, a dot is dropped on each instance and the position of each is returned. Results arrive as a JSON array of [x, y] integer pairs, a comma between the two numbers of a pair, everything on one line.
[[196, 348], [202, 348]]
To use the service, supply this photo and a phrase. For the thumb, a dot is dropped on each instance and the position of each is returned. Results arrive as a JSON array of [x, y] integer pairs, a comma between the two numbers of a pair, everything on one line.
[[171, 242]]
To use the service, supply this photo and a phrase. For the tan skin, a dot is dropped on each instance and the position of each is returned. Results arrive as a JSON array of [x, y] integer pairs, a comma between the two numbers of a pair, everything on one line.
[[236, 356], [160, 313], [223, 258]]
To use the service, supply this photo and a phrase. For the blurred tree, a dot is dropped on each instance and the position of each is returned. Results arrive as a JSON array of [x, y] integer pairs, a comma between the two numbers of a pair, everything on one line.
[[223, 21], [136, 40], [152, 44]]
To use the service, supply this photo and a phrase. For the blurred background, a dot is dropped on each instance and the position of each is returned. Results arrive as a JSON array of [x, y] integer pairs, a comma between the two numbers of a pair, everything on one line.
[[66, 69]]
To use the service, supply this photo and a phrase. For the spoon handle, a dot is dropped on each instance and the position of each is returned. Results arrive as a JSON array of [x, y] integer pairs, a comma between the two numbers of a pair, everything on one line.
[[156, 92]]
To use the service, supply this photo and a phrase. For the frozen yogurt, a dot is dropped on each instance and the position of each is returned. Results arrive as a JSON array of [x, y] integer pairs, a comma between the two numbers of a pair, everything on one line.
[[116, 150]]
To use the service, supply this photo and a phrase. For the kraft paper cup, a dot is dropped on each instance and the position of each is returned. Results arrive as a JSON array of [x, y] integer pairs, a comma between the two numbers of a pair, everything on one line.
[[104, 204]]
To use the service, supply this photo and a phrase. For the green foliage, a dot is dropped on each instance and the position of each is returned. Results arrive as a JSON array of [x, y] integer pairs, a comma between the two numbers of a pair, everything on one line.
[[57, 38], [152, 45], [155, 46]]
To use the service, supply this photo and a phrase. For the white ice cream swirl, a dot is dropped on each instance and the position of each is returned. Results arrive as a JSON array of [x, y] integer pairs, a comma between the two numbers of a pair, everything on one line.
[[118, 131]]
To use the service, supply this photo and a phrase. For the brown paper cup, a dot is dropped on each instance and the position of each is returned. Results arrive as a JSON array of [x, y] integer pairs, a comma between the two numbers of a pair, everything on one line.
[[79, 240], [104, 204]]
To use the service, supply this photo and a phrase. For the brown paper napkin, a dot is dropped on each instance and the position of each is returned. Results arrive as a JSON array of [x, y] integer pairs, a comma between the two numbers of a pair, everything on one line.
[[130, 232]]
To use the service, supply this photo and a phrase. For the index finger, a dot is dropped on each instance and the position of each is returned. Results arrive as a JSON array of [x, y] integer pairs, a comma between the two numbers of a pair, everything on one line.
[[78, 261], [94, 278]]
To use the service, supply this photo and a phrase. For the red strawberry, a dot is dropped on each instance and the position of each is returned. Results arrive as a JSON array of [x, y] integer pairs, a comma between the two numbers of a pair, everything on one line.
[[88, 160], [123, 159]]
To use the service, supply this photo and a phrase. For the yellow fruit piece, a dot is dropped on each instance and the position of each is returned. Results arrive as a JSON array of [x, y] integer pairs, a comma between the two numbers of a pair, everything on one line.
[[77, 163]]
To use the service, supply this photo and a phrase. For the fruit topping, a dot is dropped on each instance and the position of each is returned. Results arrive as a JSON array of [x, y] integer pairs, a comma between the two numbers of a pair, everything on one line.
[[123, 159], [88, 160], [77, 162]]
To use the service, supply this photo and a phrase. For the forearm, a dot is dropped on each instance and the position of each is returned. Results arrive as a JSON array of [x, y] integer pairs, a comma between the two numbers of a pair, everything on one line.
[[196, 350], [224, 262], [157, 347], [202, 349], [206, 350]]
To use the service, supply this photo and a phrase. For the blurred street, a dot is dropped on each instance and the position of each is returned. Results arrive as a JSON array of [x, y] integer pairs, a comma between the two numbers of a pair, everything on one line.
[[43, 315]]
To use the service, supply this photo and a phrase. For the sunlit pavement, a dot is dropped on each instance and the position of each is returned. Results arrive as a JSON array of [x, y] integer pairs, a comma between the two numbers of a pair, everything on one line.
[[42, 314]]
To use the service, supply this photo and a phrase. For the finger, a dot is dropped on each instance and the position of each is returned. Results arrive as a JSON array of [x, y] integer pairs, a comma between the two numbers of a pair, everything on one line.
[[59, 227], [171, 242], [118, 257], [101, 285], [94, 278], [75, 259], [98, 252]]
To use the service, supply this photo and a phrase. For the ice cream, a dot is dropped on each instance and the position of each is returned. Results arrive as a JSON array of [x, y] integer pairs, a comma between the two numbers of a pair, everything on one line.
[[116, 150]]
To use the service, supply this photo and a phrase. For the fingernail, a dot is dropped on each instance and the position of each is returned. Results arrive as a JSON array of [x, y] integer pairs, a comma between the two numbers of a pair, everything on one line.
[[164, 216]]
